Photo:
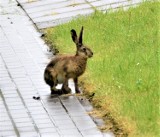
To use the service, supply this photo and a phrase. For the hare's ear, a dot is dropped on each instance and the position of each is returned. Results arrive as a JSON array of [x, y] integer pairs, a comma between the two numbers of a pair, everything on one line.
[[74, 36], [81, 36]]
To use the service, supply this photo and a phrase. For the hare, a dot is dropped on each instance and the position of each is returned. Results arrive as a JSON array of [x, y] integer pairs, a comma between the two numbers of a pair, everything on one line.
[[62, 68]]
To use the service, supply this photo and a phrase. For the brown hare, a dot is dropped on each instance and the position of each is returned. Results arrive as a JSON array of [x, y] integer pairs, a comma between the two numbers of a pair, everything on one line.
[[62, 68]]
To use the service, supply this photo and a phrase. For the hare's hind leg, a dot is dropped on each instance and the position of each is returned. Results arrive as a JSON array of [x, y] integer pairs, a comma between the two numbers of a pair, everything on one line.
[[65, 89]]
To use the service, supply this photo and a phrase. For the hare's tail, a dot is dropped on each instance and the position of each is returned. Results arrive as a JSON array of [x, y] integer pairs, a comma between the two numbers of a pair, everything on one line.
[[48, 77]]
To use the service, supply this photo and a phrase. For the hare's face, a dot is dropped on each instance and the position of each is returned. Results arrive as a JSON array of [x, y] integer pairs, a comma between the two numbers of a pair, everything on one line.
[[85, 52], [81, 49]]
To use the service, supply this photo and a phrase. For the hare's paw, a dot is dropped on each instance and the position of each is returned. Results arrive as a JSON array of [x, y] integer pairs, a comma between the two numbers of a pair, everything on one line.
[[78, 90], [56, 91], [66, 90]]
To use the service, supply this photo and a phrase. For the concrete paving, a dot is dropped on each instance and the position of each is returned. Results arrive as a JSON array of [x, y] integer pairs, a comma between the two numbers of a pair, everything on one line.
[[23, 57], [49, 13]]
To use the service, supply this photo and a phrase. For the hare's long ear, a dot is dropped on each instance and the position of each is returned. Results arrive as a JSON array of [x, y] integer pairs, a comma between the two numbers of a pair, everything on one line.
[[81, 36], [74, 36]]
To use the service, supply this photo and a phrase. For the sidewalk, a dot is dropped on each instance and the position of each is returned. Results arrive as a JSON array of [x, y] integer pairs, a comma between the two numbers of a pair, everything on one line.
[[49, 13], [23, 57]]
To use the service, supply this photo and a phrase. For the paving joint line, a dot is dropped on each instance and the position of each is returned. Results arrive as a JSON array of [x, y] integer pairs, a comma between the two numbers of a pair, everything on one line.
[[34, 24], [35, 126], [4, 102], [34, 89], [36, 93], [69, 115], [9, 114], [50, 116], [30, 116]]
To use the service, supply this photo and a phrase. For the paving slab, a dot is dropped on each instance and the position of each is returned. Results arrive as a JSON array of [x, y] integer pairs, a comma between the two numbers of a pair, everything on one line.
[[49, 13], [23, 57]]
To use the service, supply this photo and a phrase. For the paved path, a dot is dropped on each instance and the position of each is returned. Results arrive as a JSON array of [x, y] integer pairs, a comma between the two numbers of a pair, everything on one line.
[[23, 57], [47, 13]]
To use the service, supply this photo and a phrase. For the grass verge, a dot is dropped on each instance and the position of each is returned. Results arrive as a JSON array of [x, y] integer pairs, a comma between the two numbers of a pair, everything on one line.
[[123, 73]]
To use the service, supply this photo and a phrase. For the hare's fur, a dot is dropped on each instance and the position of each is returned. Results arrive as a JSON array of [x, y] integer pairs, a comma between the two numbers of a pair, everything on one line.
[[61, 68]]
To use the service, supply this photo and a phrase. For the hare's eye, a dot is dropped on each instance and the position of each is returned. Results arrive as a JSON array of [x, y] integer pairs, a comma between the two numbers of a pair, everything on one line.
[[84, 49]]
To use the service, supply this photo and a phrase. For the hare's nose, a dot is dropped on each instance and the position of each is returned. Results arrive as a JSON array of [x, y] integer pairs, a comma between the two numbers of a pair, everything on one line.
[[92, 53]]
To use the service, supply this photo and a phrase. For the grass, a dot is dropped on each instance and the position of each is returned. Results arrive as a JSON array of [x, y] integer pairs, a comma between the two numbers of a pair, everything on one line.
[[123, 73]]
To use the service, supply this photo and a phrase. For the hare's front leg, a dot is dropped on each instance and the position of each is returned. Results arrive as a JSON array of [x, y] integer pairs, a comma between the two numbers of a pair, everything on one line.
[[76, 85], [54, 90], [65, 89]]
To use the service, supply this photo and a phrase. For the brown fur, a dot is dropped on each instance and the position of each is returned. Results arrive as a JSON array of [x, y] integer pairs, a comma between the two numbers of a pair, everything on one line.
[[61, 68]]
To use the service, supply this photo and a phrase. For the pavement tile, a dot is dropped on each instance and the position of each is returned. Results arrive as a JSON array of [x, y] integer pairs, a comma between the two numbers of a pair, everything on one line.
[[63, 122], [50, 135], [34, 104], [29, 134], [52, 6], [48, 130], [6, 128], [7, 133], [38, 113], [27, 91], [39, 109], [93, 132], [4, 119], [60, 10], [56, 112], [61, 117], [3, 73], [18, 112], [8, 89], [61, 17], [41, 3], [21, 115], [67, 126], [22, 120], [8, 92], [45, 125], [14, 103], [29, 100], [72, 135], [26, 129], [26, 124], [28, 96], [73, 132], [13, 95], [77, 114], [84, 122], [42, 121], [5, 83], [6, 124], [13, 100], [6, 79], [96, 135], [19, 107], [9, 57]]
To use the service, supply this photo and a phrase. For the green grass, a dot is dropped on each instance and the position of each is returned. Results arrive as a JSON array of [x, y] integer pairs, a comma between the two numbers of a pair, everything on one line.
[[124, 70]]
